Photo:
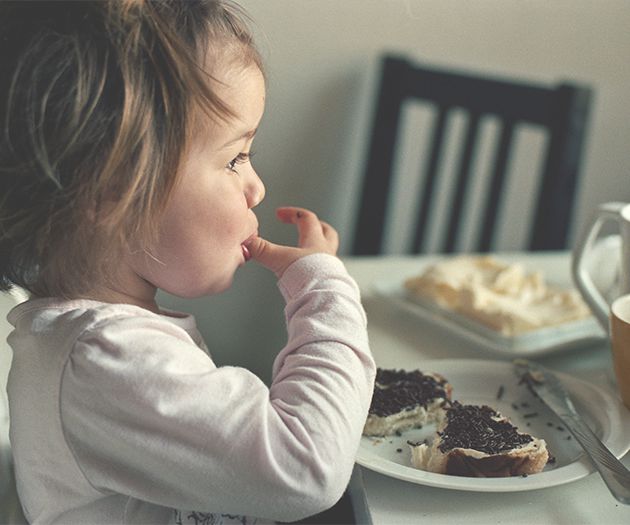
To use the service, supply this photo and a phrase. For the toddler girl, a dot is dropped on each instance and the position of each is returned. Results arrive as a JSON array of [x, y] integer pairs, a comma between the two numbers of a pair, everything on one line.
[[125, 168]]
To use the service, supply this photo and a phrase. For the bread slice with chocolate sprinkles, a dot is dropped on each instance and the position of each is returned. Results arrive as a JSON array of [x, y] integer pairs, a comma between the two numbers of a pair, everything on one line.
[[478, 441], [406, 399]]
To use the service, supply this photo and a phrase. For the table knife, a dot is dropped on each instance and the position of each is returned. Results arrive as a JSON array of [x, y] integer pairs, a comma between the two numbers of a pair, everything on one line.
[[552, 392]]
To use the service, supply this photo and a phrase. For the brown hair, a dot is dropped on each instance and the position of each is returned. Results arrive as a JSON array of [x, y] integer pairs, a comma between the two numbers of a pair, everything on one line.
[[97, 100]]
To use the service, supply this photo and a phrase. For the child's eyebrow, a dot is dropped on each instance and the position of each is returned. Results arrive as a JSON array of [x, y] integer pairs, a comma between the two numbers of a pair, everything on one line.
[[247, 135]]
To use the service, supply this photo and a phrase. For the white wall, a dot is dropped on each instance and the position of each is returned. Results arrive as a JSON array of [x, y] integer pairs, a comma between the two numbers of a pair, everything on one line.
[[322, 59]]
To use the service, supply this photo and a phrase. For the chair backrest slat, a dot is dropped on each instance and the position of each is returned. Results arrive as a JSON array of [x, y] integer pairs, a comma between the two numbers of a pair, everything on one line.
[[377, 181], [430, 178], [461, 184], [493, 197], [560, 176]]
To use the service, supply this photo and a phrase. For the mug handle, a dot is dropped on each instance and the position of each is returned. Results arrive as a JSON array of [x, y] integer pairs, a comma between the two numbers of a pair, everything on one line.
[[610, 211]]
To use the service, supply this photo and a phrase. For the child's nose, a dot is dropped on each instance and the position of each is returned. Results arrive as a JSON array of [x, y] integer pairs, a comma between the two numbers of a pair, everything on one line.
[[255, 191]]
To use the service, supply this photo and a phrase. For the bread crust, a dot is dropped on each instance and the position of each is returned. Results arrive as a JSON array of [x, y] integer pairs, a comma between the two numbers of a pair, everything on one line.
[[472, 463], [528, 459]]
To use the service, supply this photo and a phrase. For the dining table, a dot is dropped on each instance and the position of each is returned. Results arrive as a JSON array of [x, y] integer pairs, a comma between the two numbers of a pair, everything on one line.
[[401, 340]]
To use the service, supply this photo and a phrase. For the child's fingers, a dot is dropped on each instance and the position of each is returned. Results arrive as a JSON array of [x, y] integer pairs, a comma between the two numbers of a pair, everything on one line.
[[313, 233], [330, 234], [291, 214], [310, 230], [308, 224], [328, 230], [267, 253], [315, 236]]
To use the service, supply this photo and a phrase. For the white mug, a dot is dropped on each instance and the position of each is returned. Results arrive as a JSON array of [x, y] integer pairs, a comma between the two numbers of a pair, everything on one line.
[[617, 212]]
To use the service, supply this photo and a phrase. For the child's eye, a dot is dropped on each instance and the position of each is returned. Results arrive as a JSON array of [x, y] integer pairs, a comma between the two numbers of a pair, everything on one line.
[[241, 158]]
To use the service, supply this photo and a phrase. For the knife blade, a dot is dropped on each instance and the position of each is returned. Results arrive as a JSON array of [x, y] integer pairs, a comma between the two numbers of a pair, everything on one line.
[[546, 386]]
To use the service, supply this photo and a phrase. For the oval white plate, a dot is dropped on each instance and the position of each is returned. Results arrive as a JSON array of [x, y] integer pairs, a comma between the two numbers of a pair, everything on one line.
[[479, 382], [538, 342]]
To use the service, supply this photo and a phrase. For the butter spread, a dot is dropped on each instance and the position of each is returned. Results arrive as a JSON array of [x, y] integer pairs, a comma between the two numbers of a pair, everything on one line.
[[504, 297]]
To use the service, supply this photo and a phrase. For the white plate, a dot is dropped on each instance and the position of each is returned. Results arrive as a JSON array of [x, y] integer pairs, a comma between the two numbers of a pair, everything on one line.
[[478, 382], [537, 342]]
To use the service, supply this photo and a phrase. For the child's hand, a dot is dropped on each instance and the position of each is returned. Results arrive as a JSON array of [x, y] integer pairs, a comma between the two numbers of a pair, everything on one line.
[[314, 236]]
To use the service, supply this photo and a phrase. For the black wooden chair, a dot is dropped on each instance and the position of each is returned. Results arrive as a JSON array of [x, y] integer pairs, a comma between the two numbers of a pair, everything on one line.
[[561, 110]]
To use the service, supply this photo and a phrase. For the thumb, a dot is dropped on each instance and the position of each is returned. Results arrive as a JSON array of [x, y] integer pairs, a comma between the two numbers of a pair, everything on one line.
[[268, 254]]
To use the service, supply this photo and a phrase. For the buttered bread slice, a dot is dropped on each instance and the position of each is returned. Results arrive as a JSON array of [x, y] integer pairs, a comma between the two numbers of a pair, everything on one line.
[[406, 399], [478, 441]]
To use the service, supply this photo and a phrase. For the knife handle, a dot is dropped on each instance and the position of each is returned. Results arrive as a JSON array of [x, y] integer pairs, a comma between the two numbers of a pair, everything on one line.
[[613, 472]]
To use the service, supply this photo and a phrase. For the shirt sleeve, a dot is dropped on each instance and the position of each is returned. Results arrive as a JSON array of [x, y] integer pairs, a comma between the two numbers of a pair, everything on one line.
[[148, 414]]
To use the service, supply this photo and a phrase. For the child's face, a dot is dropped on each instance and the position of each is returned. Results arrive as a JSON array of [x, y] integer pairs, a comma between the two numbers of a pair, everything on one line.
[[209, 215]]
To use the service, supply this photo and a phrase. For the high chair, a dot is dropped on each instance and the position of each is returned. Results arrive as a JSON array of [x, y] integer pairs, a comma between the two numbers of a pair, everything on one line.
[[10, 509]]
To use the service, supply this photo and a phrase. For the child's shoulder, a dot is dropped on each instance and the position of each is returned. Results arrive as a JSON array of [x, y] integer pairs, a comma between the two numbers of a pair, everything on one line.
[[86, 315], [52, 309], [74, 327]]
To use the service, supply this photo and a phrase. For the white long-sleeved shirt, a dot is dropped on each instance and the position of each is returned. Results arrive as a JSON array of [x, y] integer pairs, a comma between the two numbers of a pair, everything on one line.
[[119, 415]]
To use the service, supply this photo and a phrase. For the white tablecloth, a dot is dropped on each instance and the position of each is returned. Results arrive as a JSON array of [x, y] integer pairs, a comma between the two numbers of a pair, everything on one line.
[[399, 340]]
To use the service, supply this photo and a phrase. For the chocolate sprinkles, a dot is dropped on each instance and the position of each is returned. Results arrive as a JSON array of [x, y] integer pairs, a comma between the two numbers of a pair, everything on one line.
[[479, 428], [398, 390], [500, 392]]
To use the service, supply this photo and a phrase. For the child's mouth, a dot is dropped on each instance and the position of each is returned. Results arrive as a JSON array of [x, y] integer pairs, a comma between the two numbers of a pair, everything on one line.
[[246, 254]]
